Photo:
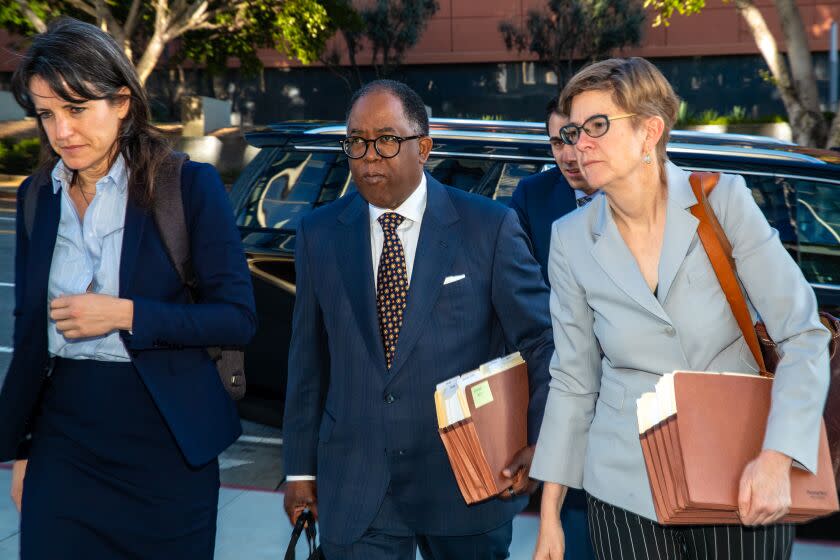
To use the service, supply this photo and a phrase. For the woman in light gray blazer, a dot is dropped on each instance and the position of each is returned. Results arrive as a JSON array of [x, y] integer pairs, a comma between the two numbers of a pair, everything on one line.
[[633, 296]]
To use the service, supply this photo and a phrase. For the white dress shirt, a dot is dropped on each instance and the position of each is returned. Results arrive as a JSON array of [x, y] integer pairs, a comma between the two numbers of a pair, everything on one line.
[[87, 258], [409, 233], [580, 194]]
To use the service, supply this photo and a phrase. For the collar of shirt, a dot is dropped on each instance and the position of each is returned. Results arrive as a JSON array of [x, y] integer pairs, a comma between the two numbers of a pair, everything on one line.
[[117, 175], [412, 209], [580, 194]]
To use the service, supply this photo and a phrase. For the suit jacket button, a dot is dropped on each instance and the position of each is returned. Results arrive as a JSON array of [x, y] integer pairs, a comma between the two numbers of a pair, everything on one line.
[[390, 398], [670, 331]]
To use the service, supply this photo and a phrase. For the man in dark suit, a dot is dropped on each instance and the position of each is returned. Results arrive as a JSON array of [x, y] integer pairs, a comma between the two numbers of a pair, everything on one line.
[[542, 198], [539, 200], [399, 287]]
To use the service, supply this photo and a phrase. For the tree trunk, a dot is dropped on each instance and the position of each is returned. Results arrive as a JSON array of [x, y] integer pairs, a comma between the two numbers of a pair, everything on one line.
[[804, 123], [834, 133], [801, 63], [150, 58], [30, 15]]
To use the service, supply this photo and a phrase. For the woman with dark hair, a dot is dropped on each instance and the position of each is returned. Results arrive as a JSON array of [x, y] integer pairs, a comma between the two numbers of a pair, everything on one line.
[[112, 406]]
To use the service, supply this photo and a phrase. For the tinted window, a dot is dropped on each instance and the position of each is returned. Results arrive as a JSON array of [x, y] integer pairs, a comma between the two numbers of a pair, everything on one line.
[[818, 229], [291, 185], [776, 198], [462, 173], [509, 178]]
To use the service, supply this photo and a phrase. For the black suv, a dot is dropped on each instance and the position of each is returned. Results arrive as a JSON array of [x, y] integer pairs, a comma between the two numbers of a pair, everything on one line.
[[301, 166]]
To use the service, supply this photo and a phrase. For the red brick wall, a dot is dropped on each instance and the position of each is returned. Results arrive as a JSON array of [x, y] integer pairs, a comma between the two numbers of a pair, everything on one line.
[[464, 31], [468, 31]]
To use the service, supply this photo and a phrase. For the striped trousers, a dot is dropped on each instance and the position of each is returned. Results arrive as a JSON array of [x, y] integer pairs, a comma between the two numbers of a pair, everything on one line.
[[619, 534]]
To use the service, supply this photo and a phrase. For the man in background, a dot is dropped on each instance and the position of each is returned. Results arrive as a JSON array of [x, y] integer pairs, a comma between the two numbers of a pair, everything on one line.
[[539, 200], [542, 198]]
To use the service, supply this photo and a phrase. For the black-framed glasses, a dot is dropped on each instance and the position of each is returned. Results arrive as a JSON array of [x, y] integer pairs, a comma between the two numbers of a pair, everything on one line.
[[387, 145], [595, 127]]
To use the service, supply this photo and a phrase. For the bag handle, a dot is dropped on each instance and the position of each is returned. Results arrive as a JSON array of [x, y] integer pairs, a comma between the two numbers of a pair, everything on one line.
[[305, 522], [719, 251]]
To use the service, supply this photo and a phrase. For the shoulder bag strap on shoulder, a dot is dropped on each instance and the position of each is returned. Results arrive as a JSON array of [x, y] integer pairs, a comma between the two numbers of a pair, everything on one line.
[[170, 218], [719, 250]]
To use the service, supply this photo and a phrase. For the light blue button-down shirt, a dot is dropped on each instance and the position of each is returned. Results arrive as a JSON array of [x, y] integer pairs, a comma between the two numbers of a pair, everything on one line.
[[87, 257]]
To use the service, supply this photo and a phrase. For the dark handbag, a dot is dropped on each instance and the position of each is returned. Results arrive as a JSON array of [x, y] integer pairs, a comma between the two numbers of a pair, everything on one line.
[[305, 525], [763, 349]]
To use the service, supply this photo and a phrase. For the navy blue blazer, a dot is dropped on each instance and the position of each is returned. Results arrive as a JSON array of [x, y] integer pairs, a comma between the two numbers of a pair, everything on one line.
[[169, 333], [539, 200], [362, 429]]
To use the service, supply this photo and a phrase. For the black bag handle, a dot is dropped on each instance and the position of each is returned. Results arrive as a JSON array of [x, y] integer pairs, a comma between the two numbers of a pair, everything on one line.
[[305, 524]]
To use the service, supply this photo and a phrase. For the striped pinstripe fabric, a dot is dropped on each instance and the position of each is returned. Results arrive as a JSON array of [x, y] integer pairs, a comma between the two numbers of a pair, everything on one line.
[[618, 533]]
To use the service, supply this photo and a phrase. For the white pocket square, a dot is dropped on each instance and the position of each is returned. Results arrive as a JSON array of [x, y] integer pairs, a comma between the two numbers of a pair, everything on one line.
[[450, 279]]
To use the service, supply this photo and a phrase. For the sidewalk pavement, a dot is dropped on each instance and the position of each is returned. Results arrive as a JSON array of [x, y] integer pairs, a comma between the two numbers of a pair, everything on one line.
[[252, 526]]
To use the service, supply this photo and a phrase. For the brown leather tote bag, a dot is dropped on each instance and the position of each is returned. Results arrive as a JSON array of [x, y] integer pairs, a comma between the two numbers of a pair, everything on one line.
[[763, 348]]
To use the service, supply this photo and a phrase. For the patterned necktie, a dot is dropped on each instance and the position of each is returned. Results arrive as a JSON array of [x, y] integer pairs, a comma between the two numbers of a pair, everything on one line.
[[584, 200], [391, 285]]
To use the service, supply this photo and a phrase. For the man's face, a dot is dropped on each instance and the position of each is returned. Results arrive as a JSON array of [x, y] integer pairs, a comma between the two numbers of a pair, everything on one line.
[[386, 182], [564, 155]]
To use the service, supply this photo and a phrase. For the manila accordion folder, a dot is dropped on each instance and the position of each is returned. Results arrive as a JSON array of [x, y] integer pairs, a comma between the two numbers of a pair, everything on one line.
[[483, 421], [699, 430]]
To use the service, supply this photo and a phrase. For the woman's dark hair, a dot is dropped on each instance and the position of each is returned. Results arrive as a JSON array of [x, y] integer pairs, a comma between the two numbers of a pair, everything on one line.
[[80, 62], [412, 103]]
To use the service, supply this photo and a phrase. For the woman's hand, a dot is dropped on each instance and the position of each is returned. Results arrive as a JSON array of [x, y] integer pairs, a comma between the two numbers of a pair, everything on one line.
[[551, 542], [764, 492], [87, 315], [18, 472]]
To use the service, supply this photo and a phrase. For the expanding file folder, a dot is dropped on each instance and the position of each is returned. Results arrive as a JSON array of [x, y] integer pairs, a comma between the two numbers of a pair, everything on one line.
[[483, 422], [699, 430]]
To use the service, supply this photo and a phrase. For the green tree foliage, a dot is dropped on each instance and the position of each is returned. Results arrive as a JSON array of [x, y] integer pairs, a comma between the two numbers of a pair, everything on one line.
[[209, 31], [394, 26], [389, 28], [665, 9], [576, 30], [792, 73]]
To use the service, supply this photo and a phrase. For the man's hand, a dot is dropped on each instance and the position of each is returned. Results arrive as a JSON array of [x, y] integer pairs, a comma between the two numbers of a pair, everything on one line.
[[764, 492], [87, 315], [18, 472], [518, 469], [300, 495]]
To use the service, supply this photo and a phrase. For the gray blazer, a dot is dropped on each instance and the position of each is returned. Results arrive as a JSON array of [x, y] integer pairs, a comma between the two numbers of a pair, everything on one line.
[[602, 311]]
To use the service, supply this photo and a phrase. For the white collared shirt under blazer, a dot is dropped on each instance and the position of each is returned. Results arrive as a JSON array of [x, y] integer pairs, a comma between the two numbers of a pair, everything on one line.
[[600, 303]]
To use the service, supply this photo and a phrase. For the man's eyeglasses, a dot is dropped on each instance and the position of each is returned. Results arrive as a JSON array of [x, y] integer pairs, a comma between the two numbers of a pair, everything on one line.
[[595, 127], [387, 145]]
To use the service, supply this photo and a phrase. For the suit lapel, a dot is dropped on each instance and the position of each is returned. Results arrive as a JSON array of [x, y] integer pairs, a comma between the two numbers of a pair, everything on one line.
[[680, 228], [436, 251], [356, 268], [612, 254], [135, 222], [42, 242], [564, 198]]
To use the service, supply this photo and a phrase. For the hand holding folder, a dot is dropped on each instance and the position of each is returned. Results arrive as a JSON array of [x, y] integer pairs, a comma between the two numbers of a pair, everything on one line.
[[482, 420], [699, 430]]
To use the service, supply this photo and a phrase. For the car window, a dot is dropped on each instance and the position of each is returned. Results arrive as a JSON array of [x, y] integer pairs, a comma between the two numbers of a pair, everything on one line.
[[462, 173], [509, 178], [291, 185], [776, 198], [818, 229]]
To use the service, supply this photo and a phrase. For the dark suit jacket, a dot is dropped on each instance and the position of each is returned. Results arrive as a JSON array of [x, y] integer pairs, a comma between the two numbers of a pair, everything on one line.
[[169, 333], [361, 428], [539, 200]]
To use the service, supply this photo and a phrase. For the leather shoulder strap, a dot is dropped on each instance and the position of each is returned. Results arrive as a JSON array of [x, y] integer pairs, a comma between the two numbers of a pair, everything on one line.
[[719, 250], [170, 218]]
